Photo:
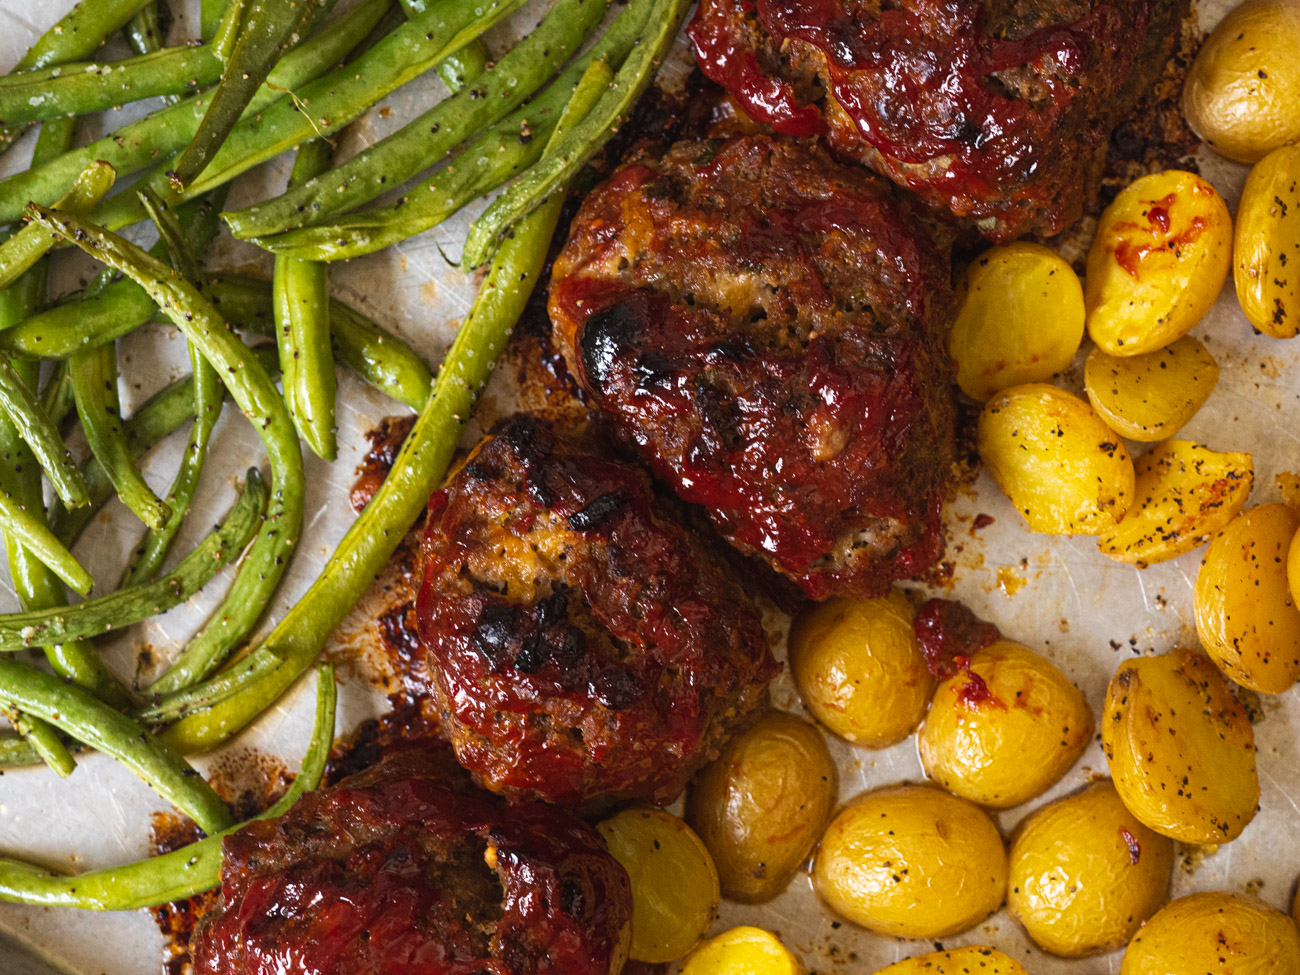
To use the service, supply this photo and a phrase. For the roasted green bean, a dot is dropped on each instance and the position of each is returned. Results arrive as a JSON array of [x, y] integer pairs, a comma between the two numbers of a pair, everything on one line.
[[462, 68], [171, 707], [30, 244], [35, 536], [44, 741], [20, 405], [145, 30]]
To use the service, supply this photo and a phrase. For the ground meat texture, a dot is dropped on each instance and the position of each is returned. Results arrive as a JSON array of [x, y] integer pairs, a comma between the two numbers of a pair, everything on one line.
[[408, 869], [998, 110], [585, 646], [767, 326]]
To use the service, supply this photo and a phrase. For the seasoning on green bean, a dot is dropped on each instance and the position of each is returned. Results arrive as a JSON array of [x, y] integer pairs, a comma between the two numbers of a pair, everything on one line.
[[300, 293], [181, 873], [30, 244], [20, 405]]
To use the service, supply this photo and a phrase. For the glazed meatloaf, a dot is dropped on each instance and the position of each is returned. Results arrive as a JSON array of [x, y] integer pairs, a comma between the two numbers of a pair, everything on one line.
[[767, 326], [998, 110], [585, 646], [408, 868]]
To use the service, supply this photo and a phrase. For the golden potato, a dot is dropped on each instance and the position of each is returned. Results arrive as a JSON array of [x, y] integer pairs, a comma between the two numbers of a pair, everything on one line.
[[1242, 94], [911, 861], [1246, 616], [959, 961], [1004, 728], [1150, 397], [1266, 249], [675, 892], [1061, 466], [762, 805], [859, 668], [1180, 747], [1220, 932], [1185, 494], [1159, 260], [1085, 873], [1019, 319], [743, 951]]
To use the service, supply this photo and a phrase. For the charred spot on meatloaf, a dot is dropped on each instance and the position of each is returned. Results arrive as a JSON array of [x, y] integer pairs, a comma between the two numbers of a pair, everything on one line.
[[997, 110], [767, 326], [407, 867], [585, 646]]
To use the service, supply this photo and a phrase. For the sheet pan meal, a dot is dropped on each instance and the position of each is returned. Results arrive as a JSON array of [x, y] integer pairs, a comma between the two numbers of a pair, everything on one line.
[[776, 315]]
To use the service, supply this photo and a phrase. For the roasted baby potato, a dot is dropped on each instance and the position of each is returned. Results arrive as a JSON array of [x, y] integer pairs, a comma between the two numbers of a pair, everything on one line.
[[1085, 873], [1061, 466], [1159, 260], [1004, 728], [762, 805], [959, 961], [1181, 748], [675, 893], [912, 861], [1221, 932], [743, 951], [1266, 248], [859, 668], [1019, 319], [1246, 616], [1185, 494], [1150, 397], [1242, 94]]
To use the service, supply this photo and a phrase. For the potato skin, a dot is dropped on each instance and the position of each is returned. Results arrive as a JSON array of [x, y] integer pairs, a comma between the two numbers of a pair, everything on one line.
[[1085, 873], [958, 961], [743, 951], [762, 805], [1020, 318], [1221, 932], [1180, 747], [860, 669], [1061, 466], [1246, 616], [1152, 396], [1162, 252], [912, 861], [1004, 728], [1266, 247], [1242, 94]]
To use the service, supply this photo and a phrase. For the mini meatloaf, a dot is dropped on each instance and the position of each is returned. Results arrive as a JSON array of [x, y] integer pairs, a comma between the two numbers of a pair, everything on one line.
[[767, 326], [408, 868], [585, 646], [998, 110]]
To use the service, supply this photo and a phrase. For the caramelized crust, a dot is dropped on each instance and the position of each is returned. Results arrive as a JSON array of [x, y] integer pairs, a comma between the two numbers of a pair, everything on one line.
[[767, 326]]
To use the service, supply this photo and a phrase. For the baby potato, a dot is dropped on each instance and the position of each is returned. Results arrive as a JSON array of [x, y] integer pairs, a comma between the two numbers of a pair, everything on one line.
[[1019, 319], [743, 951], [1061, 466], [1180, 747], [1150, 397], [1185, 494], [1242, 94], [859, 668], [1085, 873], [1246, 616], [959, 961], [762, 805], [1266, 249], [1160, 257], [675, 893], [911, 861], [1221, 932]]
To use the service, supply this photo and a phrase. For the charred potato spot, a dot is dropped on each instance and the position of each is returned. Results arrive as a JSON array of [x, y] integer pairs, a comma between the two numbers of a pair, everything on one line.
[[1150, 397], [1215, 932], [1266, 250]]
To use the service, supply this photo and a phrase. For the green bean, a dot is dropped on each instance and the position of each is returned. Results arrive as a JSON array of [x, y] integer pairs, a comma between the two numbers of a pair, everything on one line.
[[181, 873], [300, 293], [462, 68], [30, 422], [144, 31], [426, 139], [171, 707], [30, 244], [44, 741], [210, 14], [140, 143], [35, 536]]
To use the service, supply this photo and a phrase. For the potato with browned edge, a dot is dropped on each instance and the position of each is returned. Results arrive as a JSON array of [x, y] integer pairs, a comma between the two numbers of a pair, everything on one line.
[[1221, 932], [1085, 873], [859, 668], [1059, 464], [1181, 748], [1151, 396], [1246, 616], [1004, 728], [1266, 248], [761, 806], [1242, 94], [912, 861], [972, 960], [743, 951]]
